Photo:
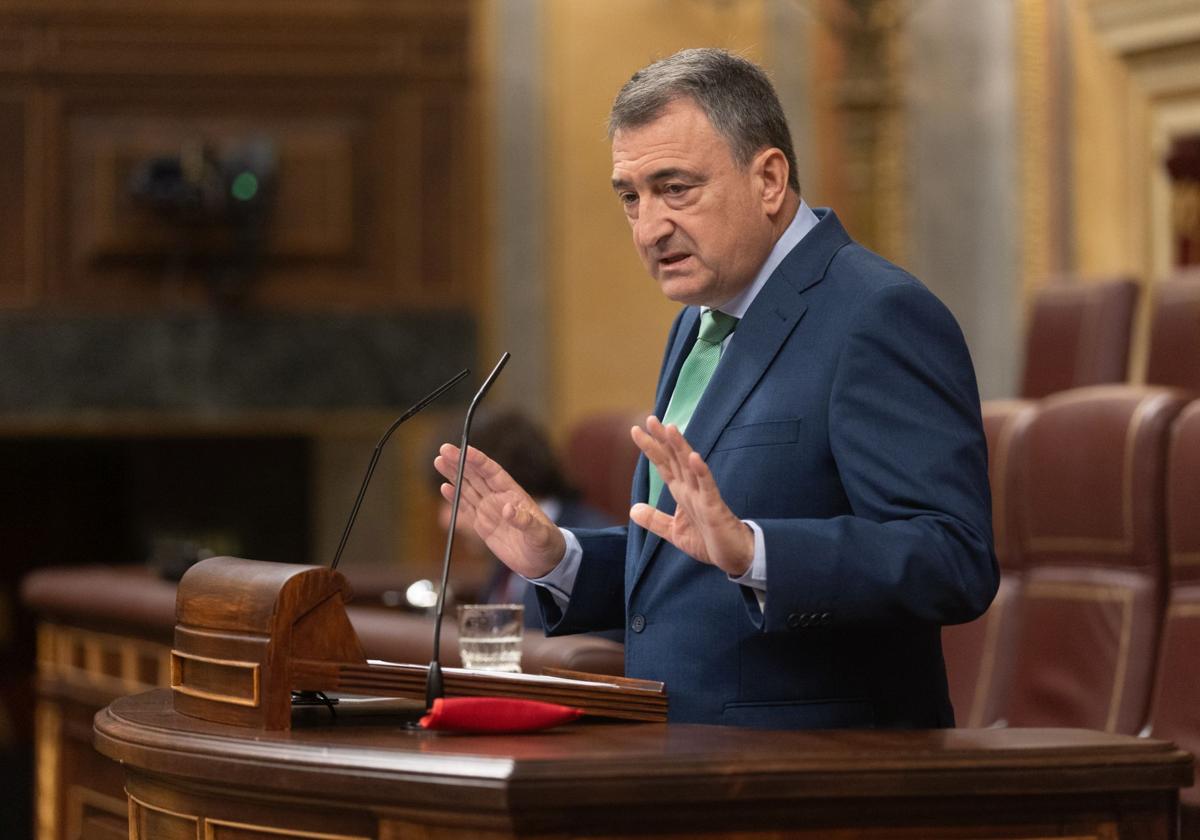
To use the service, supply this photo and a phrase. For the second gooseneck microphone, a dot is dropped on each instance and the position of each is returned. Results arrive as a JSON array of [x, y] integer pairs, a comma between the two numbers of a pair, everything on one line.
[[433, 685], [362, 491]]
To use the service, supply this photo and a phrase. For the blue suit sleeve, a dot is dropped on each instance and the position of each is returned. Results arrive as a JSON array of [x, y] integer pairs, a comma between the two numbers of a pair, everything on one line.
[[907, 439], [597, 600]]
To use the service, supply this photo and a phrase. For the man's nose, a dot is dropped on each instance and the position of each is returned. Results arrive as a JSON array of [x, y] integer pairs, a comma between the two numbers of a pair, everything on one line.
[[653, 224]]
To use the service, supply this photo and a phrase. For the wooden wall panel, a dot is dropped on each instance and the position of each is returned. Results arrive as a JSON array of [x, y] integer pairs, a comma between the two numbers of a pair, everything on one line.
[[14, 280], [365, 106], [149, 823], [314, 213], [439, 223], [95, 816], [15, 46], [328, 219]]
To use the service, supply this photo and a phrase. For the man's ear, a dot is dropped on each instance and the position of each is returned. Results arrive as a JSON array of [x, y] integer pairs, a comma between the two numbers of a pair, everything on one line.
[[770, 167]]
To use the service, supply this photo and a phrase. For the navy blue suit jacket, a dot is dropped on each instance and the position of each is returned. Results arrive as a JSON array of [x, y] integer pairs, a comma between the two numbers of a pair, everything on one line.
[[844, 419], [500, 587]]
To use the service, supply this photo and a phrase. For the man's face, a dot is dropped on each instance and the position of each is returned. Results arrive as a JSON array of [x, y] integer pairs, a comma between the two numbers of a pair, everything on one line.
[[698, 219]]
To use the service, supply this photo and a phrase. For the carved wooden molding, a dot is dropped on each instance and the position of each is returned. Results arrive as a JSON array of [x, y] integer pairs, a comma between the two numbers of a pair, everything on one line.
[[89, 812], [112, 664], [147, 822], [1135, 26], [1158, 42]]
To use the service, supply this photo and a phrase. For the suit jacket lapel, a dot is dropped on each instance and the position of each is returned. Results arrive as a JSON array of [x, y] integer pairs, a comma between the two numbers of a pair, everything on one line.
[[768, 322]]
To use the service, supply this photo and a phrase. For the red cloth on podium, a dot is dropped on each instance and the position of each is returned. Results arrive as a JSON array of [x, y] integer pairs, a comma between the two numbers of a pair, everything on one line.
[[496, 714]]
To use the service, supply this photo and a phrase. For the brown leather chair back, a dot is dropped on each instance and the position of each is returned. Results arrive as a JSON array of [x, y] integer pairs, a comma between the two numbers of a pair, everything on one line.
[[1174, 357], [979, 654], [1089, 515], [600, 459], [1175, 712], [1078, 335]]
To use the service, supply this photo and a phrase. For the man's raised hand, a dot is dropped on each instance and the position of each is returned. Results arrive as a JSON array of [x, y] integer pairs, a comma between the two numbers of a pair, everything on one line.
[[504, 516], [703, 526]]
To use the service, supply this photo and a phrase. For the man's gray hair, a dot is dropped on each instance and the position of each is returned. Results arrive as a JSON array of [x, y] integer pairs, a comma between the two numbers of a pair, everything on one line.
[[735, 95]]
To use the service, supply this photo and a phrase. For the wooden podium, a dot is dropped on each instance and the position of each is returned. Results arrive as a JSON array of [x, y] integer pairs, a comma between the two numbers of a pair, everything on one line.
[[222, 755], [250, 633], [370, 777]]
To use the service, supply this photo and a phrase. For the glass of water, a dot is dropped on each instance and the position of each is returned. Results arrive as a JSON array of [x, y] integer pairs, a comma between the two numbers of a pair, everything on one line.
[[489, 636]]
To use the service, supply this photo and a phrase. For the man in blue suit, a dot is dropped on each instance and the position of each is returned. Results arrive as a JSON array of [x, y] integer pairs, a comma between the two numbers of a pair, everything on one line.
[[815, 505]]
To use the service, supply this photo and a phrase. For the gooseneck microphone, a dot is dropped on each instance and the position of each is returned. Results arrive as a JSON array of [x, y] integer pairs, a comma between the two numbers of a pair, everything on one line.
[[433, 684], [362, 491]]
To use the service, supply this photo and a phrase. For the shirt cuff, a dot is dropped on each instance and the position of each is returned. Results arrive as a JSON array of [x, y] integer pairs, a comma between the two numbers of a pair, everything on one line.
[[756, 576], [561, 579]]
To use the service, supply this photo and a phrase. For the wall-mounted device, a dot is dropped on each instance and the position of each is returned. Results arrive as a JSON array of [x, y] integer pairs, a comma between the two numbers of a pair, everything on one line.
[[221, 201]]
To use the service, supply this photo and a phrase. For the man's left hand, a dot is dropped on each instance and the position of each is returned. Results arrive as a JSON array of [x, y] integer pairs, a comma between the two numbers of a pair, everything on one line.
[[703, 526]]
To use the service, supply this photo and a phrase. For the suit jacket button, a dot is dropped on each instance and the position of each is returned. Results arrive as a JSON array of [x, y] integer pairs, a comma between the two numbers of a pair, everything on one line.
[[638, 624], [797, 620], [826, 619]]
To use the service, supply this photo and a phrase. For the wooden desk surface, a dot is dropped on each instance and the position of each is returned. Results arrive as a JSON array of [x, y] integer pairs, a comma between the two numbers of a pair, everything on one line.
[[699, 779]]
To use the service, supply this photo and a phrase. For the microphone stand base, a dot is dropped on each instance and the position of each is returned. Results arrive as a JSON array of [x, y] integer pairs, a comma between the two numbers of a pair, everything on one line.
[[312, 698]]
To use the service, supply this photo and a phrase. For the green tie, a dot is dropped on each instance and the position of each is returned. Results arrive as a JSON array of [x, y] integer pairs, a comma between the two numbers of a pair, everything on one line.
[[697, 369]]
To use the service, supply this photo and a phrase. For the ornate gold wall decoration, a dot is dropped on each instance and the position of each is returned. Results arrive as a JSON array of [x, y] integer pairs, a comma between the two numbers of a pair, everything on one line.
[[867, 99], [1033, 93], [1157, 43]]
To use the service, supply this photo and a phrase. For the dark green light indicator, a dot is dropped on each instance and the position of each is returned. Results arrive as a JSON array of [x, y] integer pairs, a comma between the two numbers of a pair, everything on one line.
[[244, 186]]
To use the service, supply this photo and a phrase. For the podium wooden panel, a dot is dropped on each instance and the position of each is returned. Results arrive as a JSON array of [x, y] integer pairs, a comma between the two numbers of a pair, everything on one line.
[[367, 776], [106, 632], [250, 634]]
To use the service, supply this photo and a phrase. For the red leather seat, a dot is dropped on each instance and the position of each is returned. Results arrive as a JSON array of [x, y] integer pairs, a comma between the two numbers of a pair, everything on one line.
[[600, 458], [1089, 518], [1078, 335], [1175, 712], [979, 654], [1174, 357]]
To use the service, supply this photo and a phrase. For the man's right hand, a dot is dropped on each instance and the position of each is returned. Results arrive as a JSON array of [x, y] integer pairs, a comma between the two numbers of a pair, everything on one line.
[[501, 513]]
